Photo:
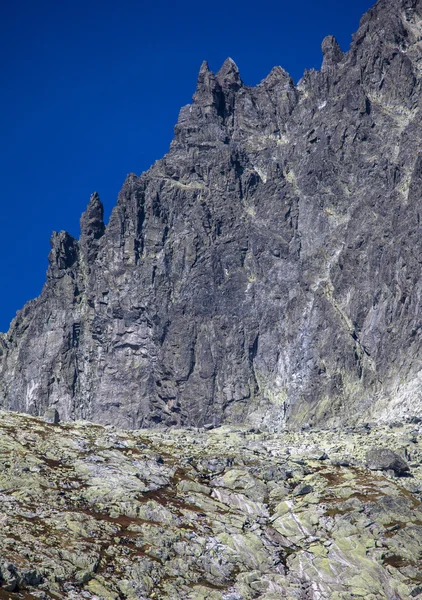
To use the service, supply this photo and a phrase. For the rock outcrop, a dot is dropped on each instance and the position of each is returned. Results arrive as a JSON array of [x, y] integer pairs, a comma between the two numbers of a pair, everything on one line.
[[268, 268], [383, 459]]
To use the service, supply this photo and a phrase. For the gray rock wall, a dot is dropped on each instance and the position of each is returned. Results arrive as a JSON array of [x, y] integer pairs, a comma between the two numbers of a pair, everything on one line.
[[268, 268]]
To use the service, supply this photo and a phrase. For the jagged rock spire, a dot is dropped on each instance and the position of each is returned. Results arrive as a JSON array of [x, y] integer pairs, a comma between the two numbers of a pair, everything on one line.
[[204, 68], [63, 254], [205, 76], [92, 226], [277, 76], [228, 76], [215, 93], [332, 52], [208, 90]]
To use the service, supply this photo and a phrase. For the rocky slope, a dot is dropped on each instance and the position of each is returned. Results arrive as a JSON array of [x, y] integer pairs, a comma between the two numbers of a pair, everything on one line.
[[268, 268], [228, 514]]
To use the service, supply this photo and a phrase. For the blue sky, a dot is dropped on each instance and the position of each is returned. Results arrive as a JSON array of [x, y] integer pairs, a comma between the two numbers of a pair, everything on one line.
[[91, 90]]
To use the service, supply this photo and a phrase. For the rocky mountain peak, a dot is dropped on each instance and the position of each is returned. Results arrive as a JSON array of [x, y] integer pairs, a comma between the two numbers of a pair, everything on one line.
[[63, 254], [391, 23], [92, 220], [92, 227], [332, 52], [205, 68], [277, 78], [228, 76], [208, 91], [266, 270]]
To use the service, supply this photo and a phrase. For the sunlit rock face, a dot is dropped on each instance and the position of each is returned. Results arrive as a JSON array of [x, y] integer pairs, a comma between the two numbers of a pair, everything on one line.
[[267, 269]]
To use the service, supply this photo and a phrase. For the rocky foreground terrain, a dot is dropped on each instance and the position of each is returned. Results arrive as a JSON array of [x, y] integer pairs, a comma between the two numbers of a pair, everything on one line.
[[94, 512]]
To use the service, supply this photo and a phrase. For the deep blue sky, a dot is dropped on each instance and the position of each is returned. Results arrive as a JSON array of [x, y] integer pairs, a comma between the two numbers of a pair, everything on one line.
[[91, 90]]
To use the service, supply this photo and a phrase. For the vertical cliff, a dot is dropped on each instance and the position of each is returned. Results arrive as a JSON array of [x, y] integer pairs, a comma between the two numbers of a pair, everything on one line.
[[268, 268]]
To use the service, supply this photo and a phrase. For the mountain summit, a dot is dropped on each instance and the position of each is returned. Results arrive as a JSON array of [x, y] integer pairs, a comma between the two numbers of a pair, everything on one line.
[[268, 269]]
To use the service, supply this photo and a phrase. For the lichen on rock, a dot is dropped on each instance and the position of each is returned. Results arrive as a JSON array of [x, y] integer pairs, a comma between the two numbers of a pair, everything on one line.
[[100, 513]]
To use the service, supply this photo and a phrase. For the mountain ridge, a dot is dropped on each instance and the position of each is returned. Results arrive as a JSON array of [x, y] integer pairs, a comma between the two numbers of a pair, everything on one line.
[[266, 269]]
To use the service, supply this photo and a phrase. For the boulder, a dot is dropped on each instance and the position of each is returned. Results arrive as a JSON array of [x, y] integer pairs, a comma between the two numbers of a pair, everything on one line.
[[51, 415], [382, 459]]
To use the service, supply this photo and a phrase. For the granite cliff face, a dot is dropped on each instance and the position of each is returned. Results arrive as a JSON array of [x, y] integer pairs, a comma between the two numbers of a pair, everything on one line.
[[268, 268]]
